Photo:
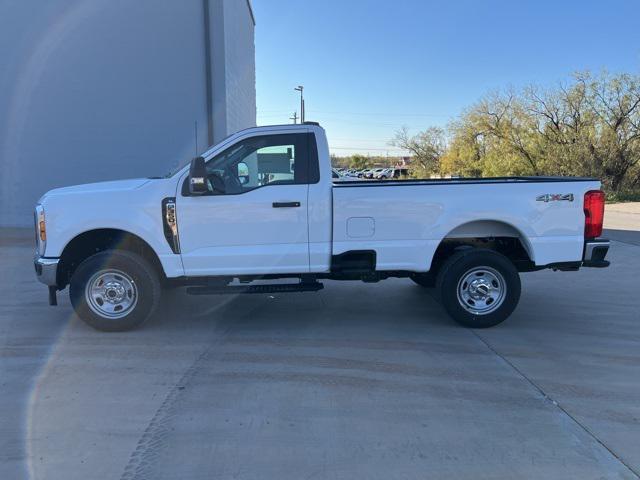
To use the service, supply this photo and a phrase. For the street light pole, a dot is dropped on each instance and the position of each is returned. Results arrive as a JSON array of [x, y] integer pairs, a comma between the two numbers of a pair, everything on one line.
[[300, 89]]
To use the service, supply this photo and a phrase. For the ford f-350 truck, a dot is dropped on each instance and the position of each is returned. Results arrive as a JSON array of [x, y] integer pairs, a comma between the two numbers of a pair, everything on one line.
[[262, 205]]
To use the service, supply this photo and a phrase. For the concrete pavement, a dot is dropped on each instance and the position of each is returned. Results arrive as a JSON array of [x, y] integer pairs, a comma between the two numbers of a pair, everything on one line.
[[357, 381], [623, 221]]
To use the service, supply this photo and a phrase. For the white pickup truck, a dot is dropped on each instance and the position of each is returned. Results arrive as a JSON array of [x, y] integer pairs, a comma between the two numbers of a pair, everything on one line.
[[262, 205]]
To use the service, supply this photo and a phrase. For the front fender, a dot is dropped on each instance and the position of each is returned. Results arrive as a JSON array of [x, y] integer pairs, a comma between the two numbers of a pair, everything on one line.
[[138, 212]]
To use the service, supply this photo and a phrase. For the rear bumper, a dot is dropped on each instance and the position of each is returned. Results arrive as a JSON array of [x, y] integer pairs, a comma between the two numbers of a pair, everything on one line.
[[595, 252], [46, 270]]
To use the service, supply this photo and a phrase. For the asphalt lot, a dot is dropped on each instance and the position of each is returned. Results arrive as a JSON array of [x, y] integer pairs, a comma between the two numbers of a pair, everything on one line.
[[355, 382]]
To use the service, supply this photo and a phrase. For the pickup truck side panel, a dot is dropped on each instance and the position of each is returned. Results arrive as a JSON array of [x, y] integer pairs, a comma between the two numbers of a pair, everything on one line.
[[406, 223]]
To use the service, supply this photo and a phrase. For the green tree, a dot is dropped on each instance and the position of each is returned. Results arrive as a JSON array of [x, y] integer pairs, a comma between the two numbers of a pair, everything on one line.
[[359, 162], [589, 126], [426, 148]]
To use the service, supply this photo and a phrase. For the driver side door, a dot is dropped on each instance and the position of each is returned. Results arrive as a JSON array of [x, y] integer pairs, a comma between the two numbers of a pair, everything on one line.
[[254, 218]]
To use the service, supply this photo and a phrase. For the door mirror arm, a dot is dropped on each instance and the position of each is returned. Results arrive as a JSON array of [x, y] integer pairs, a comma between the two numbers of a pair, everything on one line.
[[198, 177]]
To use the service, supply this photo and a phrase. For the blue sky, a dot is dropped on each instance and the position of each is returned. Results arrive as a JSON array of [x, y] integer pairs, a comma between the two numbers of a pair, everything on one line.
[[370, 67]]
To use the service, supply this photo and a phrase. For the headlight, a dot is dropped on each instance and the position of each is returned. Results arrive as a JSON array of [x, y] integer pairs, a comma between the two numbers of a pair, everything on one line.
[[41, 229]]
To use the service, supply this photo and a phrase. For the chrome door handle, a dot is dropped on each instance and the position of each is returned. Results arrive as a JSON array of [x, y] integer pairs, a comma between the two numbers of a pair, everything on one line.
[[285, 204]]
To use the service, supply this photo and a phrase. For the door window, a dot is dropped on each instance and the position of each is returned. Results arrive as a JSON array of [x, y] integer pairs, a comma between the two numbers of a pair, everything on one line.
[[256, 162]]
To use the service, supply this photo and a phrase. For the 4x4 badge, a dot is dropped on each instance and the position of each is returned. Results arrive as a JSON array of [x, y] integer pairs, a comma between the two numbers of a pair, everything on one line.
[[555, 197]]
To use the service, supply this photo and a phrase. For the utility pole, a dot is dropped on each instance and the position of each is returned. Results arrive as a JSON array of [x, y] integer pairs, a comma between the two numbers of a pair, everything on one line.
[[300, 89], [294, 117]]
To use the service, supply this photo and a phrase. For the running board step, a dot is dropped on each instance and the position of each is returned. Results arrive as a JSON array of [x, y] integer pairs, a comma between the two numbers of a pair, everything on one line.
[[273, 288]]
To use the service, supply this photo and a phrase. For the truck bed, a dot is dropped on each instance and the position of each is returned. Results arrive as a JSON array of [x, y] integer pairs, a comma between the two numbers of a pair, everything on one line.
[[404, 223]]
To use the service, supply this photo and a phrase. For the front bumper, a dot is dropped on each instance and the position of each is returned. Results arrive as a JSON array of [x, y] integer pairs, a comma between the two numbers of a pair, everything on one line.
[[47, 270], [595, 252]]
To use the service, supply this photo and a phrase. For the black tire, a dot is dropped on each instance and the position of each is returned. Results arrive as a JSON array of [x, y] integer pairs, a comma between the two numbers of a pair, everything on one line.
[[426, 280], [489, 268], [139, 281]]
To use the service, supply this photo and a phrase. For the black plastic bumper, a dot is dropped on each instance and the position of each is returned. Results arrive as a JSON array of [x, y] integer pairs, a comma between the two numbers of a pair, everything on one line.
[[595, 252]]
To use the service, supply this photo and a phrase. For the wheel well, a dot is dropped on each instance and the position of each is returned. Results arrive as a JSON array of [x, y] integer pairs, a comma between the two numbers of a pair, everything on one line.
[[510, 247], [94, 241]]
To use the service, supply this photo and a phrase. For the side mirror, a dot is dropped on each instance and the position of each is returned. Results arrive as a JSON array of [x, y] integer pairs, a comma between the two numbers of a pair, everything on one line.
[[243, 173], [198, 177]]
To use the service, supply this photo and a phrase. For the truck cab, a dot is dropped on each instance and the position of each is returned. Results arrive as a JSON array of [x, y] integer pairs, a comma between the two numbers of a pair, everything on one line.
[[277, 220]]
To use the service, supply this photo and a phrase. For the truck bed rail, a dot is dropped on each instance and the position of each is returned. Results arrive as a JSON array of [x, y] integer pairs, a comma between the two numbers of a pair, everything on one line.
[[460, 181]]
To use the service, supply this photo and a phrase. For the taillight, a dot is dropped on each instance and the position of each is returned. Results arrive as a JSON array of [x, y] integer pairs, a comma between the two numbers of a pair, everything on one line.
[[593, 213]]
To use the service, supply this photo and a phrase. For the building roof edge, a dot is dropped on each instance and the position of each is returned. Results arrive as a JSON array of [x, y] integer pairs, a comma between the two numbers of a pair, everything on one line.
[[253, 17]]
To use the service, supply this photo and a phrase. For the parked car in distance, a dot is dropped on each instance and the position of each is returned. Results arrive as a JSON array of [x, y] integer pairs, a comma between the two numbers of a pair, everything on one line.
[[376, 173], [385, 174], [400, 172], [337, 176], [265, 204]]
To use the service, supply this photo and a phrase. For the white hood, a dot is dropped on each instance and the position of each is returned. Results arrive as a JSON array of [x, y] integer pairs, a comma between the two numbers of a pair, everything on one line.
[[113, 186]]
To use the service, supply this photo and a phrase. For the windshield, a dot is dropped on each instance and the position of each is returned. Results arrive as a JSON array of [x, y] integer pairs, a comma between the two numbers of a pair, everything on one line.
[[182, 164], [176, 169]]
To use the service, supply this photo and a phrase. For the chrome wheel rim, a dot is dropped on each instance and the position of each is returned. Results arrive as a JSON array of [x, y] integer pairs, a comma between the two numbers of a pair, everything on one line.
[[481, 290], [111, 294]]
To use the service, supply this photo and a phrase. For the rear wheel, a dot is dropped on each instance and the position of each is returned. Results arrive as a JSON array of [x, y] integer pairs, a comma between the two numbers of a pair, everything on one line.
[[114, 290], [479, 288]]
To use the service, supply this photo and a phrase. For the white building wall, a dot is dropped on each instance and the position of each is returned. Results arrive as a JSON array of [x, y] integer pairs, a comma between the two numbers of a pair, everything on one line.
[[234, 80], [106, 89], [240, 67]]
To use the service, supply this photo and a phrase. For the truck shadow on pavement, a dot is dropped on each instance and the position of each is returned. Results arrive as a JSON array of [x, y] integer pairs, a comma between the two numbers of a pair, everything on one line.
[[397, 303], [624, 236]]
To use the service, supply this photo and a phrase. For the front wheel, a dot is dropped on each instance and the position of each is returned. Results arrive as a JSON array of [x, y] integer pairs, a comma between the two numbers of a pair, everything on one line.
[[114, 290], [479, 288]]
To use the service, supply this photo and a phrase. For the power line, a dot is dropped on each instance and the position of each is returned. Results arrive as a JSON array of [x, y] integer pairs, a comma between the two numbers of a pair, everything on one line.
[[358, 122], [387, 114], [347, 139], [364, 148], [274, 111], [337, 120]]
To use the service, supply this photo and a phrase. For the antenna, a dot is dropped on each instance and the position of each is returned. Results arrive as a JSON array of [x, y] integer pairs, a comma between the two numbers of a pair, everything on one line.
[[196, 132]]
